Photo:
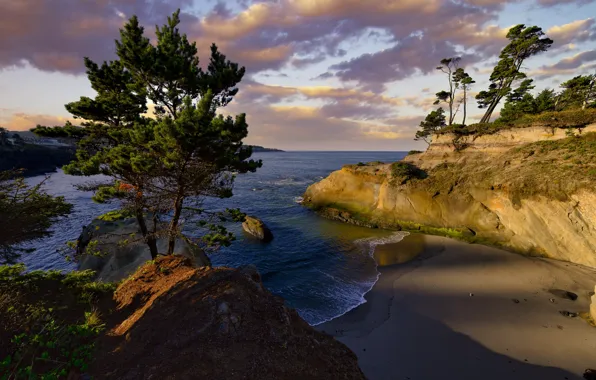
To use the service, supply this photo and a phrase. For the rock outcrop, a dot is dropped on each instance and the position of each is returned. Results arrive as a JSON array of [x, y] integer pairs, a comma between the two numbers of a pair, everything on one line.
[[257, 228], [593, 306], [176, 321], [535, 198], [117, 259]]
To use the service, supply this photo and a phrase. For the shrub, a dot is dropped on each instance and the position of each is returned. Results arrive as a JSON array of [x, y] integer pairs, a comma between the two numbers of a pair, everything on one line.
[[406, 171], [414, 152]]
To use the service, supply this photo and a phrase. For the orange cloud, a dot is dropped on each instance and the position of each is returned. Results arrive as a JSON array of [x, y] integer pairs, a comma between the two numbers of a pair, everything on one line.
[[23, 122]]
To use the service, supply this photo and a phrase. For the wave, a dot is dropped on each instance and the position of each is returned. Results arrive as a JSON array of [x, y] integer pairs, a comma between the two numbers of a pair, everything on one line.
[[369, 244], [298, 200]]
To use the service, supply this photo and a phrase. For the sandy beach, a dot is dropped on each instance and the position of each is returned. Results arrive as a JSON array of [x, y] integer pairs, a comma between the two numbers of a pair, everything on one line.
[[462, 311]]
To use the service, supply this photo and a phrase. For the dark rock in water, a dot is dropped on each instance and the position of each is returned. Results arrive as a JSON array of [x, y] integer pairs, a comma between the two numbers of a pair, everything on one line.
[[568, 314], [257, 228], [116, 261], [563, 294], [590, 374]]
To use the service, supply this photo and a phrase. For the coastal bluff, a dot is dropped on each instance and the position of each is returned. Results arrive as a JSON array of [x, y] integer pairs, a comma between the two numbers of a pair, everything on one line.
[[529, 190]]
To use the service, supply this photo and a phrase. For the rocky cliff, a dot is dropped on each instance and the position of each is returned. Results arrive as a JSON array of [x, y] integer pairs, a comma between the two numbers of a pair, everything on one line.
[[168, 320], [529, 190]]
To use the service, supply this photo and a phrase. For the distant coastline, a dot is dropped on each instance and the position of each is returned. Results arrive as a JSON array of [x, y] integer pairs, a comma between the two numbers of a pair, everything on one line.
[[259, 149]]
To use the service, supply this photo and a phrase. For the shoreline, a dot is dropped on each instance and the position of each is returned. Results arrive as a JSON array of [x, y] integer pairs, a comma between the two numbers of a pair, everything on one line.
[[469, 311]]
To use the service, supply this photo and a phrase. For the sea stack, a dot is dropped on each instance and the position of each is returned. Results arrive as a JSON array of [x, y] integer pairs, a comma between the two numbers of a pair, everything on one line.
[[257, 228]]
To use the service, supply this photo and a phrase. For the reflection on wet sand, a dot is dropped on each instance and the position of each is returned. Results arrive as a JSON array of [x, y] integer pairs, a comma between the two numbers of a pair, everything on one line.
[[401, 252]]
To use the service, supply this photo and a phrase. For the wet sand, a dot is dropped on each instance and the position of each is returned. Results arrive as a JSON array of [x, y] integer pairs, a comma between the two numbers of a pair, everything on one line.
[[462, 311]]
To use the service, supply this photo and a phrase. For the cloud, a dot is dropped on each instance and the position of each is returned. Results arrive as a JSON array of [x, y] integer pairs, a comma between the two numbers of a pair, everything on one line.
[[552, 3], [574, 65], [573, 32], [23, 122], [56, 35]]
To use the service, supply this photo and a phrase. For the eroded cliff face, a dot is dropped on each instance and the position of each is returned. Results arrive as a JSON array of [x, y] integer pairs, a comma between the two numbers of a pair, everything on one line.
[[498, 205]]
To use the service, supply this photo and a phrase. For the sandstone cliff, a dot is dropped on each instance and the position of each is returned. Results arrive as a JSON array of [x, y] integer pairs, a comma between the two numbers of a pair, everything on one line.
[[528, 190]]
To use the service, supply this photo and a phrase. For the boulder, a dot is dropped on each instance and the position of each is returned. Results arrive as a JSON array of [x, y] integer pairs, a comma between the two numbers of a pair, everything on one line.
[[257, 228], [116, 260], [593, 306]]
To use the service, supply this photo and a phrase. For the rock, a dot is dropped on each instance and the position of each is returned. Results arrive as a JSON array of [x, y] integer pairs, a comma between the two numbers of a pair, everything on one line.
[[564, 294], [118, 261], [568, 314], [590, 374], [176, 316], [257, 228], [593, 306], [515, 300], [489, 207]]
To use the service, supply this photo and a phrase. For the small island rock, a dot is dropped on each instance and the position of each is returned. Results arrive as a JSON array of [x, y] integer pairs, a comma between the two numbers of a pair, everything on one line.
[[257, 228]]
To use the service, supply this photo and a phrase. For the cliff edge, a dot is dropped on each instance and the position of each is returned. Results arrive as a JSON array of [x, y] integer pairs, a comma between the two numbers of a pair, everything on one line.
[[529, 190]]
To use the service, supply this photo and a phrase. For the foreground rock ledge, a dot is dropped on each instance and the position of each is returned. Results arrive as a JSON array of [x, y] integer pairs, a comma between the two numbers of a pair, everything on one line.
[[176, 321]]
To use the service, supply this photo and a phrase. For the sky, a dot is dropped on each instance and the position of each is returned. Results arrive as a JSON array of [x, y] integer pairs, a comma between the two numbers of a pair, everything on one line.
[[320, 74]]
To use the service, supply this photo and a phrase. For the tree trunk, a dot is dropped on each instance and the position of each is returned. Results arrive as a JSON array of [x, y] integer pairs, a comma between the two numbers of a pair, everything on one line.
[[465, 105], [174, 225], [149, 238]]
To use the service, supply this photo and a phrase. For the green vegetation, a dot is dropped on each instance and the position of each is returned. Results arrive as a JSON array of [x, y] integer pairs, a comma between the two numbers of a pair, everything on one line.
[[112, 216], [162, 167], [402, 172], [524, 42], [27, 213], [433, 123], [569, 119], [44, 336], [414, 152], [554, 169]]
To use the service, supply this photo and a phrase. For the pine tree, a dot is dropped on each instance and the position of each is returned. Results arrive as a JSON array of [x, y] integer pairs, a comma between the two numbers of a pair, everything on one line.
[[449, 67], [525, 42], [27, 213], [464, 81], [162, 169], [434, 121], [579, 92]]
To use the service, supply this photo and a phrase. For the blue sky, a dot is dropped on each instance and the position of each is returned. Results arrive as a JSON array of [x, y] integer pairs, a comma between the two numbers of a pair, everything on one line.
[[321, 74]]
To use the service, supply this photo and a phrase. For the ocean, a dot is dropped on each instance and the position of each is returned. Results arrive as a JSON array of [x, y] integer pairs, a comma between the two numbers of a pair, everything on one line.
[[320, 267]]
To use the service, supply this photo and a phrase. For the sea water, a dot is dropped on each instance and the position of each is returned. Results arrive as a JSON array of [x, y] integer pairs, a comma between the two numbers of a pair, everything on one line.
[[320, 267]]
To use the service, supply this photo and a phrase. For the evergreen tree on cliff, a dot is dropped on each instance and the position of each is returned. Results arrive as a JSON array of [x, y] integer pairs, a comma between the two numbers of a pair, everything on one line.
[[434, 121], [464, 81], [525, 42], [162, 168], [449, 66]]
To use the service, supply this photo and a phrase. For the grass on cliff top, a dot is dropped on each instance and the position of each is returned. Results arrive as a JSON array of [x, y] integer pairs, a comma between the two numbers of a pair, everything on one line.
[[569, 119], [555, 169], [49, 321]]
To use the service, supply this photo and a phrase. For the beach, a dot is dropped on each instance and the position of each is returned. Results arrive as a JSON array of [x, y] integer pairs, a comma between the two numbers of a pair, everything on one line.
[[463, 311]]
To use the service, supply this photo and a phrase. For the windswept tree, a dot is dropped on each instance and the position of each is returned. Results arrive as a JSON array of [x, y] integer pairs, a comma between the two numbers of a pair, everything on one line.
[[162, 169], [464, 81], [26, 213], [579, 92], [545, 101], [519, 102], [434, 121], [449, 66], [525, 42]]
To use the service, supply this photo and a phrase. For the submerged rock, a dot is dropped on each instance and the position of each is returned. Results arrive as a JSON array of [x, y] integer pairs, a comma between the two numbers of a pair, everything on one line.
[[257, 228], [117, 261]]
